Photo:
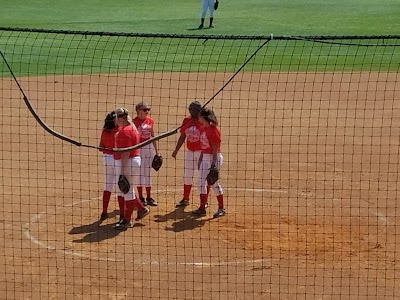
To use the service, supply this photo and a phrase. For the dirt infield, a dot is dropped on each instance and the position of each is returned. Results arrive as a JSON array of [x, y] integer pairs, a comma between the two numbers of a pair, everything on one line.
[[310, 177]]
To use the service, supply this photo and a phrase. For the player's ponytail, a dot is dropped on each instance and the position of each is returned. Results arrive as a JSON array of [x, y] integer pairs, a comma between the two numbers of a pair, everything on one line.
[[209, 115], [109, 121]]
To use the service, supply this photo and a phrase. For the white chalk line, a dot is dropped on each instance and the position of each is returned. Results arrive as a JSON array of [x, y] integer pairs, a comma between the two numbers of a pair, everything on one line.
[[382, 218], [35, 218]]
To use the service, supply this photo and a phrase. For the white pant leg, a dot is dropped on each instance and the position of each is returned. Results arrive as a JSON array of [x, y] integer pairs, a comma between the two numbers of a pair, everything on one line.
[[190, 166], [203, 172], [211, 8], [131, 172], [207, 5], [146, 154], [109, 172]]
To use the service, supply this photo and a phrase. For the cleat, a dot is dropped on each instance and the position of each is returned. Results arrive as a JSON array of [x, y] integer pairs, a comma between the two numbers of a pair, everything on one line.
[[122, 225], [220, 212], [199, 212], [143, 200], [151, 202], [182, 203], [211, 26], [201, 26], [142, 213], [103, 216]]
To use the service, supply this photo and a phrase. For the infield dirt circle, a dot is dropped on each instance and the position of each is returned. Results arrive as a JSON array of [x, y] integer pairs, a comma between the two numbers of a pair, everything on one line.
[[309, 176]]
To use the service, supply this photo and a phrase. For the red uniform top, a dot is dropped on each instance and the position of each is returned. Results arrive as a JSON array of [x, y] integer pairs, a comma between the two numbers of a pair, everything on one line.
[[191, 128], [209, 136], [144, 127], [126, 137], [107, 139]]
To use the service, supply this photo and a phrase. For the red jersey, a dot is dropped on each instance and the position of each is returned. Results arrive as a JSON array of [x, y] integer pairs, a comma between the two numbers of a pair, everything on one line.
[[126, 137], [209, 136], [107, 139], [191, 128], [144, 127]]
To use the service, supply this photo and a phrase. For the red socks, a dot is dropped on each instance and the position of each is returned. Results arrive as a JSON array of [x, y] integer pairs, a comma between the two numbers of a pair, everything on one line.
[[148, 191], [220, 199], [203, 201], [129, 207], [138, 204], [140, 191], [106, 200], [121, 204], [186, 191]]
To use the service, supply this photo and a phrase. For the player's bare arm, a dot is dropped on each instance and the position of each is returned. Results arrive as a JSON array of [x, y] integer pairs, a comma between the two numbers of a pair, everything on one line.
[[124, 161], [179, 144], [155, 142], [215, 148]]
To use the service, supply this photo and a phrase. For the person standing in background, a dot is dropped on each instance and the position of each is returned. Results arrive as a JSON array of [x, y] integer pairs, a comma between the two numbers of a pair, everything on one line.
[[145, 126], [210, 6]]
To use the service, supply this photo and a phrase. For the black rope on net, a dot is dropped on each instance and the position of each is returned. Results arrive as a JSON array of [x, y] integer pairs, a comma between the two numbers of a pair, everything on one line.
[[331, 42], [33, 111], [156, 138], [198, 36]]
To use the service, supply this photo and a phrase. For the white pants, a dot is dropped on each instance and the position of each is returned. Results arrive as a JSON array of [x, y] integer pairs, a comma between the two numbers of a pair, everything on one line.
[[207, 4], [131, 171], [146, 154], [205, 165], [190, 166], [109, 172]]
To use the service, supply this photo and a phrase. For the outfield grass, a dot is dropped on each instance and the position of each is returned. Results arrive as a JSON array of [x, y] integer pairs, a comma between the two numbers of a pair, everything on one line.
[[40, 53], [235, 17]]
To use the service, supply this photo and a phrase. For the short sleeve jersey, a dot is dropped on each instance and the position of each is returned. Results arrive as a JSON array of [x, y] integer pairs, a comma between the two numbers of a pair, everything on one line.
[[191, 128], [144, 127], [107, 139], [126, 137], [210, 135]]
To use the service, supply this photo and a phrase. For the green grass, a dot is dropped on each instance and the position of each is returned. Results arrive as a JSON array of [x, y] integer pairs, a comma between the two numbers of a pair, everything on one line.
[[235, 17], [40, 53]]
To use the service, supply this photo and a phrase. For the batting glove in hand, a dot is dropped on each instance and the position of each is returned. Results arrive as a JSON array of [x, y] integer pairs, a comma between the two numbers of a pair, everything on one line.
[[216, 3]]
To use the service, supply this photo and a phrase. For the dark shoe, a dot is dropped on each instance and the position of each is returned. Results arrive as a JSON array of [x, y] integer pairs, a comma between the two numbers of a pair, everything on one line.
[[103, 216], [201, 26], [151, 202], [143, 200], [220, 212], [211, 26], [142, 213], [122, 225], [199, 212], [182, 203]]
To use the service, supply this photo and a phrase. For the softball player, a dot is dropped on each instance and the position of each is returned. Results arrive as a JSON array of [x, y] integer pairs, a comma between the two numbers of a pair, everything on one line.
[[190, 131], [128, 164], [145, 126], [207, 5], [107, 140], [210, 140]]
